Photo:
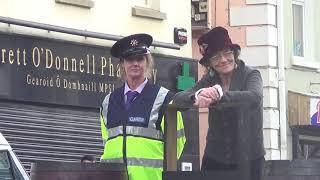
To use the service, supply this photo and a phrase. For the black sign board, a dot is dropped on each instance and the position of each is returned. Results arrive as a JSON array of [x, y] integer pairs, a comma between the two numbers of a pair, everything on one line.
[[60, 72]]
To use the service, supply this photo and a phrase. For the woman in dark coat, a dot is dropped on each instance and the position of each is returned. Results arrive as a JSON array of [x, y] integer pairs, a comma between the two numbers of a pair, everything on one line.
[[233, 92]]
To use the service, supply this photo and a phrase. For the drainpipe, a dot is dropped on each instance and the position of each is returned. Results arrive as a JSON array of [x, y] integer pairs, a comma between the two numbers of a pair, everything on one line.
[[282, 84]]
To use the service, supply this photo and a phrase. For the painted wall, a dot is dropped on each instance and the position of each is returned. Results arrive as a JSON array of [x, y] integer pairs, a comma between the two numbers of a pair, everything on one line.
[[110, 17]]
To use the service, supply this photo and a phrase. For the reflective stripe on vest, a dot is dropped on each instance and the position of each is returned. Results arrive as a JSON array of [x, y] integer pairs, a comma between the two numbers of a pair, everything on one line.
[[156, 107], [136, 131], [155, 163], [105, 105], [141, 131]]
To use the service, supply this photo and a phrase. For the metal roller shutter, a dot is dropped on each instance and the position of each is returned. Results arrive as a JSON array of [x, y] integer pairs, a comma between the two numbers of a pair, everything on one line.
[[50, 133]]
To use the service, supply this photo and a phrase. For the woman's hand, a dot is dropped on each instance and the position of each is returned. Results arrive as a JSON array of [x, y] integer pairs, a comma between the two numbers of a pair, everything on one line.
[[206, 97]]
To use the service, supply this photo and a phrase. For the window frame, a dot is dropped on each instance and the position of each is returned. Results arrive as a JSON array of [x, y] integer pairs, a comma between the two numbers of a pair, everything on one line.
[[302, 4], [307, 60]]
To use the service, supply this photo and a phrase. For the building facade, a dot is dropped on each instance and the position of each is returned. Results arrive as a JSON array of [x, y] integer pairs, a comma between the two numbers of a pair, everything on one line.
[[278, 37]]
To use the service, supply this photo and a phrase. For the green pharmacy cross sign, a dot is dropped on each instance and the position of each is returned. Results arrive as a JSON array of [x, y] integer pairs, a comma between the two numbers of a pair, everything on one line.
[[185, 81]]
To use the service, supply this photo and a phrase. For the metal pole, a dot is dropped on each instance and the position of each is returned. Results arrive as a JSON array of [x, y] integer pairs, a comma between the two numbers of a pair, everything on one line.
[[78, 32]]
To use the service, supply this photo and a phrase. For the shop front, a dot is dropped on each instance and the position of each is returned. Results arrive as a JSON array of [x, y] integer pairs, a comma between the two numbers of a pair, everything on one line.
[[51, 91]]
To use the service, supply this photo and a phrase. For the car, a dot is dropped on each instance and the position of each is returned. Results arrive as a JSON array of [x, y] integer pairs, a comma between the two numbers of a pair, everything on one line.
[[10, 166]]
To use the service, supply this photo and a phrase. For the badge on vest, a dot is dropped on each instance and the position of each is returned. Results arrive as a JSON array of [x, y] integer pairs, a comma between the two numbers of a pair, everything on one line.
[[137, 119]]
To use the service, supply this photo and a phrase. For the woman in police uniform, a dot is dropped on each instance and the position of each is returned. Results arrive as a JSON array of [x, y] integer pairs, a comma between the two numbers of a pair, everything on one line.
[[132, 115]]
